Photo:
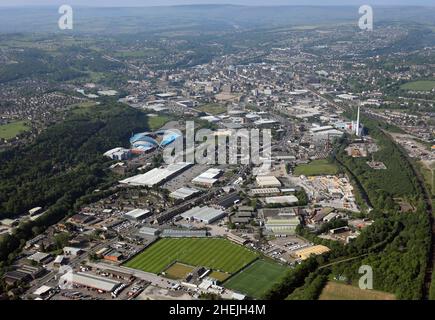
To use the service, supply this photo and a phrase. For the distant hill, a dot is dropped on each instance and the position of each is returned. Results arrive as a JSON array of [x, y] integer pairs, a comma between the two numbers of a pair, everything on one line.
[[202, 17]]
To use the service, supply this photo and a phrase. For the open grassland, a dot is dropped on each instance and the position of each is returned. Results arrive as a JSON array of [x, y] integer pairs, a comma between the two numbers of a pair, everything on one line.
[[178, 271], [316, 168], [155, 123], [213, 253], [422, 85], [11, 130], [213, 108], [339, 291], [257, 278], [221, 276]]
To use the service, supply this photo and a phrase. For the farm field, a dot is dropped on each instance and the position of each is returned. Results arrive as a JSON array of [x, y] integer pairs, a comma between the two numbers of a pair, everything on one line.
[[422, 85], [316, 168], [339, 291], [11, 130], [217, 254], [257, 278]]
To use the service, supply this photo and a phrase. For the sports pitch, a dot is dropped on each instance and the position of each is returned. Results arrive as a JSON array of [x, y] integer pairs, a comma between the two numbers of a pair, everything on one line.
[[257, 279], [216, 254]]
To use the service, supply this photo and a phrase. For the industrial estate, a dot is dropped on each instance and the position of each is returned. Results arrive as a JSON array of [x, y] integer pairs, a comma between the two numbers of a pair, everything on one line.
[[91, 210]]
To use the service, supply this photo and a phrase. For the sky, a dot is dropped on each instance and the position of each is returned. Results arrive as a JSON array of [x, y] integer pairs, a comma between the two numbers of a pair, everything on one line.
[[124, 3]]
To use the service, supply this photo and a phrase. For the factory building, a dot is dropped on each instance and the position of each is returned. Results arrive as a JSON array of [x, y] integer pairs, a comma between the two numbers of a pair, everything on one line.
[[137, 214], [183, 193], [147, 231], [203, 214], [282, 200], [90, 281], [183, 233], [268, 182], [208, 178], [157, 176]]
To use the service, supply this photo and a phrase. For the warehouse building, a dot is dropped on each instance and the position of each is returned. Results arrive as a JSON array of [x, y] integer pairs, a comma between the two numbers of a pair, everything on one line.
[[282, 200], [263, 191], [183, 193], [118, 154], [157, 176], [208, 178], [183, 233], [237, 239], [203, 214], [40, 257], [137, 214], [229, 200], [268, 182], [282, 225], [90, 281], [147, 231]]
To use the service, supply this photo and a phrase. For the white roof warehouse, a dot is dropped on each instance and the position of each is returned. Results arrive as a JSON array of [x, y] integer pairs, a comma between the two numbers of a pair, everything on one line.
[[90, 281], [157, 176], [203, 214]]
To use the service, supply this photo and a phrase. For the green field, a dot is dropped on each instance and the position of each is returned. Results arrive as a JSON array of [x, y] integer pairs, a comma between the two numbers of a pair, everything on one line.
[[213, 108], [340, 291], [83, 108], [178, 271], [257, 278], [217, 254], [422, 85], [316, 168], [157, 122], [11, 130]]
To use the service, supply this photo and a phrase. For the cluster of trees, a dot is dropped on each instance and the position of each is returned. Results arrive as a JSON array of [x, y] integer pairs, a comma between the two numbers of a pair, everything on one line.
[[396, 245], [61, 169], [382, 186], [292, 280]]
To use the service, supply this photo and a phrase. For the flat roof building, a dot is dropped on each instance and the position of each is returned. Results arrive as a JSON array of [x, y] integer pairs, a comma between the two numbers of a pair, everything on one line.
[[147, 231], [203, 214], [183, 193], [207, 178], [157, 176], [183, 233], [268, 182], [90, 281], [282, 200], [137, 214]]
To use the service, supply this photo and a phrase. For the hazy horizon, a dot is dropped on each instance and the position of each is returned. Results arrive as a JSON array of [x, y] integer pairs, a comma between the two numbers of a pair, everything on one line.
[[146, 3]]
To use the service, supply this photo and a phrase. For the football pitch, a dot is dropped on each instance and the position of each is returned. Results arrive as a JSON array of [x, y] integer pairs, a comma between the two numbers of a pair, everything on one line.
[[257, 278], [216, 254]]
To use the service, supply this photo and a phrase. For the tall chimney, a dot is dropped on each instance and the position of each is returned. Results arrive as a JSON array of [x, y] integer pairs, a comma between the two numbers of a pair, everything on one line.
[[357, 123]]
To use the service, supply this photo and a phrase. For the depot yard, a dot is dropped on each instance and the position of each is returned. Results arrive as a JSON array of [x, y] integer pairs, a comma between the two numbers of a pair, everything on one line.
[[217, 254], [339, 291], [316, 168], [257, 278]]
